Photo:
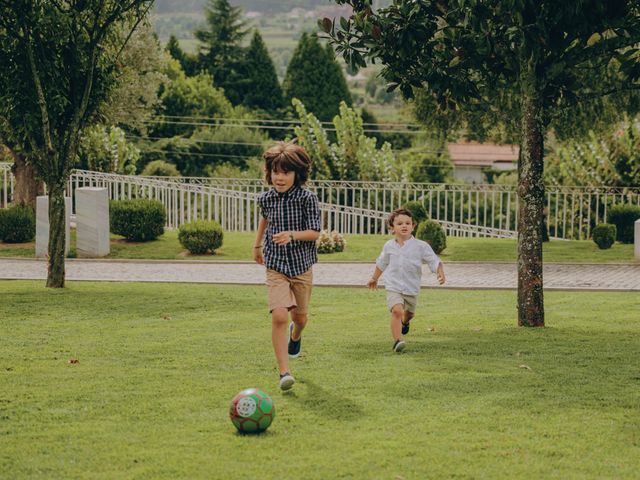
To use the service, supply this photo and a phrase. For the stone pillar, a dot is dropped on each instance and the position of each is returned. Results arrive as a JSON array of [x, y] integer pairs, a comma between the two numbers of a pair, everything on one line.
[[92, 222], [637, 238], [42, 225]]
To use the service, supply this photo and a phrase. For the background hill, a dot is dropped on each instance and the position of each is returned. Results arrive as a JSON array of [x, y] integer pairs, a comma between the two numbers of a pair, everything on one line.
[[271, 6]]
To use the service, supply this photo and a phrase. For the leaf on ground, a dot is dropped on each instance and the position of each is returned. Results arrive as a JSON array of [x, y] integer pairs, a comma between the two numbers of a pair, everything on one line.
[[166, 316], [477, 329], [432, 329], [73, 360], [526, 367]]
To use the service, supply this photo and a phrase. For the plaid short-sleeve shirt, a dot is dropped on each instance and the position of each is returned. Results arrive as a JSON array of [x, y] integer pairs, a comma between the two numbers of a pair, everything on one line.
[[295, 210]]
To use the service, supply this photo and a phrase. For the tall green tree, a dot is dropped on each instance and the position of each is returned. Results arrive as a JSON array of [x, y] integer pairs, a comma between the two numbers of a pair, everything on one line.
[[472, 55], [221, 46], [261, 89], [60, 61], [315, 78], [188, 63]]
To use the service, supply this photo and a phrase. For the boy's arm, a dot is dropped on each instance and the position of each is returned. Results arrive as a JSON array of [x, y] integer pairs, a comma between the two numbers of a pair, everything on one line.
[[287, 236], [440, 274], [373, 281], [381, 264], [435, 264], [257, 246], [311, 233]]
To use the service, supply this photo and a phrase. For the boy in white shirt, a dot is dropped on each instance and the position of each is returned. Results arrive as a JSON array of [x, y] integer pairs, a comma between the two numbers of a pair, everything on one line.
[[401, 261]]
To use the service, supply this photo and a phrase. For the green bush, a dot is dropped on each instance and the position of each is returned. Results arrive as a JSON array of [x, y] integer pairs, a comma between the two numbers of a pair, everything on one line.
[[160, 168], [137, 220], [432, 232], [17, 224], [604, 235], [417, 210], [201, 236], [623, 217]]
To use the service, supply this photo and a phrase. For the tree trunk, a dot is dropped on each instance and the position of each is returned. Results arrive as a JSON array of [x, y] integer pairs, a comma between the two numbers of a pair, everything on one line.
[[531, 203], [57, 233], [27, 186]]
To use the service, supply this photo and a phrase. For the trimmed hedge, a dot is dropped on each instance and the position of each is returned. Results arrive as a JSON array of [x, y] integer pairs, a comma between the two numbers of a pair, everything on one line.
[[17, 224], [201, 236], [604, 234], [623, 217], [432, 232], [417, 210], [138, 220]]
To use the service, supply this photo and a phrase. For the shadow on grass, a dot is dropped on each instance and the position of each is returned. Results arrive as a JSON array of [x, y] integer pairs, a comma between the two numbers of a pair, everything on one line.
[[324, 403]]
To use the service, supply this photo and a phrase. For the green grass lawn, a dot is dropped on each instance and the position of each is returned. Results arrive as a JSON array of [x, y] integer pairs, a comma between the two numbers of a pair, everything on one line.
[[238, 246], [473, 396]]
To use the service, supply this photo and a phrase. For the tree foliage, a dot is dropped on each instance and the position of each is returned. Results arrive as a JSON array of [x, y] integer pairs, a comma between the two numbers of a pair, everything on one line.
[[189, 63], [260, 87], [354, 156], [221, 46], [60, 62], [612, 158], [193, 97], [315, 78], [105, 149]]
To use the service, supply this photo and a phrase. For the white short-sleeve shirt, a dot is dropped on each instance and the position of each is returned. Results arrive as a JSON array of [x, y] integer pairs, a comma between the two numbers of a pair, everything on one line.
[[402, 264]]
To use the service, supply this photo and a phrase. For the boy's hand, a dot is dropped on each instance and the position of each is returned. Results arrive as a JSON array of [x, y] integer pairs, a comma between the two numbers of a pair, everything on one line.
[[372, 284], [257, 255], [440, 273], [282, 238]]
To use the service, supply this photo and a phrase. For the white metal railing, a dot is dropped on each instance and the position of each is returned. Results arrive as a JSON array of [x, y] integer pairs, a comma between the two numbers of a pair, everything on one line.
[[236, 209], [360, 207], [571, 211]]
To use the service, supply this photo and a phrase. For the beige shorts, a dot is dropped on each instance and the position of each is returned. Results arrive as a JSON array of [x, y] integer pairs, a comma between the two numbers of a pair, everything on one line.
[[292, 293], [408, 302]]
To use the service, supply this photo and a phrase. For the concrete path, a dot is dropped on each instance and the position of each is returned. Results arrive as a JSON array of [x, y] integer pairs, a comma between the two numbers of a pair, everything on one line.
[[617, 277]]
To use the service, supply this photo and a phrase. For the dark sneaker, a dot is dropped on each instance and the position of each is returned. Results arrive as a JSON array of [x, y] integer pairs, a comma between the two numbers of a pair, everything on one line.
[[286, 381], [294, 346], [399, 346], [405, 327]]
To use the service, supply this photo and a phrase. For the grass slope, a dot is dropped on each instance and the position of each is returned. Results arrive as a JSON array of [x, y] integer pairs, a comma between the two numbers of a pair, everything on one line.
[[472, 397]]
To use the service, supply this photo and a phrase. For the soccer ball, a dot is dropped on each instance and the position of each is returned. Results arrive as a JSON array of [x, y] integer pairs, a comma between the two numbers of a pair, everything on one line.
[[252, 411]]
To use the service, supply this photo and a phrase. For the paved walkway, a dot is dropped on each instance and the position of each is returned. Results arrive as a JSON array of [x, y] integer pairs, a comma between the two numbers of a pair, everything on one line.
[[618, 277]]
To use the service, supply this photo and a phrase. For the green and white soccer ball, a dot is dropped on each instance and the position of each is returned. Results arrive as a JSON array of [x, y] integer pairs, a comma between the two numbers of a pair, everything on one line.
[[252, 411]]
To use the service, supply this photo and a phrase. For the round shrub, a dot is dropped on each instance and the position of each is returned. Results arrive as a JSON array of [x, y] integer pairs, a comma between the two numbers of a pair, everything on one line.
[[325, 242], [201, 236], [604, 235], [338, 241], [432, 232], [137, 220], [417, 210], [624, 217], [17, 224], [160, 168]]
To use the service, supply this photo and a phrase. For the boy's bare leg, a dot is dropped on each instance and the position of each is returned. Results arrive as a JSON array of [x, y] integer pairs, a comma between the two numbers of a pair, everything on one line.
[[397, 313], [279, 319], [299, 322], [407, 316]]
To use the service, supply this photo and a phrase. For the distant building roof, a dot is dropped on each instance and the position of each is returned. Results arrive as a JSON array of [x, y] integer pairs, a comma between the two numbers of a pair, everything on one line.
[[481, 154]]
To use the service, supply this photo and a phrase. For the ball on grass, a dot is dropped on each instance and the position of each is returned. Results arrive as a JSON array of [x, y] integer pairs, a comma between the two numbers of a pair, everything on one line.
[[252, 411]]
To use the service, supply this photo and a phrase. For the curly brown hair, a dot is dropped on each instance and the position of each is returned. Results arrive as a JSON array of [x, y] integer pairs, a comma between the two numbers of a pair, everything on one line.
[[399, 211], [287, 157]]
